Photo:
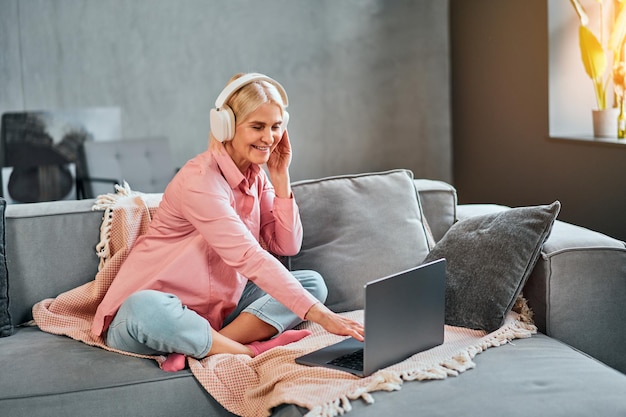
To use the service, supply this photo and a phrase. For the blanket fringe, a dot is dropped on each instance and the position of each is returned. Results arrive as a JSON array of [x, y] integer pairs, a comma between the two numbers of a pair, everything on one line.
[[106, 203], [335, 408], [381, 381], [388, 380]]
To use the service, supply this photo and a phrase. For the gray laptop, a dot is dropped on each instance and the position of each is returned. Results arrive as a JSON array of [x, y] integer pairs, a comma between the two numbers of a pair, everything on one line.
[[404, 315]]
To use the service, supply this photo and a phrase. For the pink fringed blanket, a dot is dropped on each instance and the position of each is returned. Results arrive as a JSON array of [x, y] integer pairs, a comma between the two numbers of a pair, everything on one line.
[[126, 216], [247, 386]]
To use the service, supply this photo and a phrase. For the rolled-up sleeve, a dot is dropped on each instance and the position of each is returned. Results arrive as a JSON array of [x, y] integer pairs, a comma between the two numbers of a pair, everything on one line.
[[281, 228]]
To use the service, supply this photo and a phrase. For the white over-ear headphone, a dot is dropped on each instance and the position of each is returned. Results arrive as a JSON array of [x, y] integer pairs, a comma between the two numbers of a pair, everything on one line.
[[222, 117]]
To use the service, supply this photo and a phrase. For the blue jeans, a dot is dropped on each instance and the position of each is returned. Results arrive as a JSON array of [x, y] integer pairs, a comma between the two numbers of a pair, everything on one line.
[[152, 322]]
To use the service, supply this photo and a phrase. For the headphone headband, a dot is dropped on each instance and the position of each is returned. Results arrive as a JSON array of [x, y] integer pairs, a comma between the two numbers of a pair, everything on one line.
[[222, 117], [240, 82]]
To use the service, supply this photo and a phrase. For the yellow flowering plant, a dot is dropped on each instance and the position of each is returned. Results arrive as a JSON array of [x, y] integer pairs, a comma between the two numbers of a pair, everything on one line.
[[597, 54]]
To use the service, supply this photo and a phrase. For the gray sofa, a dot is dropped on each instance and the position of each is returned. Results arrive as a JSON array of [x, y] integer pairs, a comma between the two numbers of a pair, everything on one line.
[[573, 367]]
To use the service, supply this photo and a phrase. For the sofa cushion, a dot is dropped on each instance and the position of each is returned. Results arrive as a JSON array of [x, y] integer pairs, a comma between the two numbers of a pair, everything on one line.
[[6, 326], [358, 228], [534, 377], [48, 375], [50, 248], [489, 259]]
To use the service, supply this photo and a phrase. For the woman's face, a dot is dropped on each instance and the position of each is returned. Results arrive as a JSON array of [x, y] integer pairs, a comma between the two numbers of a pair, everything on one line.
[[256, 136]]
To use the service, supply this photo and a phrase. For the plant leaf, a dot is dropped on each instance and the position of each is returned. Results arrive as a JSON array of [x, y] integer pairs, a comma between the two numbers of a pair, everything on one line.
[[618, 31], [592, 54], [594, 61], [580, 10], [582, 15]]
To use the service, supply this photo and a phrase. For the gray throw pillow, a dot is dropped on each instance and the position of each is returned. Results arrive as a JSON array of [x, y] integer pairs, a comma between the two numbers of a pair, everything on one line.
[[358, 228], [6, 327], [489, 259]]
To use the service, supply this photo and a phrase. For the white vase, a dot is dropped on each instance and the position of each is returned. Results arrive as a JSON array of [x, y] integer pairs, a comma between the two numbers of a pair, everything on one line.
[[605, 123]]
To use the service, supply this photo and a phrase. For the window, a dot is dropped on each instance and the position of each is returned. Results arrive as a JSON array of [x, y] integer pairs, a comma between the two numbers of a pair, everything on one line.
[[571, 91]]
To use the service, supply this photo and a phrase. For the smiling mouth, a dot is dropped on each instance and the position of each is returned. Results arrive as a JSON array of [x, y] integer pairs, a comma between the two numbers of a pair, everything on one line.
[[261, 148]]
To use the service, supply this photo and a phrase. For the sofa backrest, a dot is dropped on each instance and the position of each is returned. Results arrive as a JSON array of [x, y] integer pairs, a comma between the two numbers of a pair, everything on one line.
[[439, 201], [50, 248]]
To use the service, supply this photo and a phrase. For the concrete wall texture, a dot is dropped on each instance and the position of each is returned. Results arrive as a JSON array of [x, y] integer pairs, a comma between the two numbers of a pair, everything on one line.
[[368, 80], [453, 89]]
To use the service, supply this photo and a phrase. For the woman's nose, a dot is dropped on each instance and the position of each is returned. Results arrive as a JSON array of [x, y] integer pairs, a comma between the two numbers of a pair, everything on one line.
[[268, 136]]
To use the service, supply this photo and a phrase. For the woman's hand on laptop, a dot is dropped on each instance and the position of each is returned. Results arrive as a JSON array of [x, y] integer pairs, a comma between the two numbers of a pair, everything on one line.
[[334, 323]]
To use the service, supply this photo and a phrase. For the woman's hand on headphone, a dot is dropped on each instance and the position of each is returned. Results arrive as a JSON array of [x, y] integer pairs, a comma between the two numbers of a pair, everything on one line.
[[280, 156], [278, 166]]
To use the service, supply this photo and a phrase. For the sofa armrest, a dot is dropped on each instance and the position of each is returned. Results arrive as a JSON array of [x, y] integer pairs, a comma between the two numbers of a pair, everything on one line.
[[438, 200], [577, 290]]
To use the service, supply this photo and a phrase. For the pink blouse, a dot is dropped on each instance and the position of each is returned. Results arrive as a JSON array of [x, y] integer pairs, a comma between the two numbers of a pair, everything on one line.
[[203, 243]]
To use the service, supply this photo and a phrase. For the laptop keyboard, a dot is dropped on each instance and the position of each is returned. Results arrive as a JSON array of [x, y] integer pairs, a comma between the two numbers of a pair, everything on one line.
[[353, 360]]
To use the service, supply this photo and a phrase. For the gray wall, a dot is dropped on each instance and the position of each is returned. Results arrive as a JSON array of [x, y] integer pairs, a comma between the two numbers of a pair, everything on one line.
[[368, 80], [502, 150]]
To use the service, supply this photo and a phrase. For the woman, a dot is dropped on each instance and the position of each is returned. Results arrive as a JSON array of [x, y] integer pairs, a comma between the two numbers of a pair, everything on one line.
[[199, 282]]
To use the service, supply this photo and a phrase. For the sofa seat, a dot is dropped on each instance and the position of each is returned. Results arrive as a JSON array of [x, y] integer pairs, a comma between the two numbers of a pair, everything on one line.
[[536, 376], [539, 376], [79, 377]]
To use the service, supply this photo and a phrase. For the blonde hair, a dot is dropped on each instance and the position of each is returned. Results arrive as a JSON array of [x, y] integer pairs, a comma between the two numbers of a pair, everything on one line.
[[249, 97]]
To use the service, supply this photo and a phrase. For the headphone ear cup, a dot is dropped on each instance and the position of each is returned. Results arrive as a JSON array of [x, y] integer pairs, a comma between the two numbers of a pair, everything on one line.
[[285, 120], [222, 123]]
